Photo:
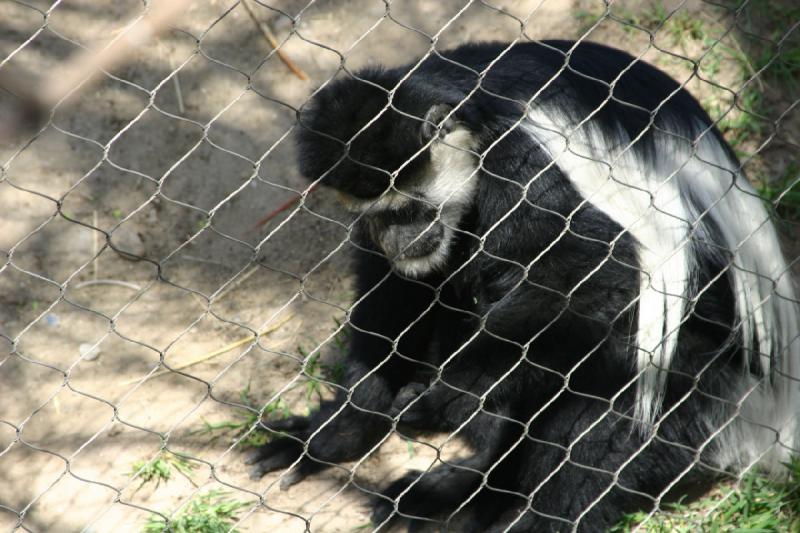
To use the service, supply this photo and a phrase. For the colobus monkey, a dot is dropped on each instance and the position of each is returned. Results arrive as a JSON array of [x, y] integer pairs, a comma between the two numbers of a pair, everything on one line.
[[560, 259]]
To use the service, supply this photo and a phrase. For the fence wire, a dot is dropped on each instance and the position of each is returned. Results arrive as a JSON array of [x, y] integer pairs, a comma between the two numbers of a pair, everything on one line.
[[169, 279]]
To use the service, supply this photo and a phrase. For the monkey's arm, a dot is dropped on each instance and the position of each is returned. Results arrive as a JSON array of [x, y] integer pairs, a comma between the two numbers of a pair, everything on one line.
[[474, 395], [391, 323]]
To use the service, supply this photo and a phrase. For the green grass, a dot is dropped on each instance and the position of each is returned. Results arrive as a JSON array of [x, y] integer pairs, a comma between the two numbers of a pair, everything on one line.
[[784, 193], [757, 504], [161, 468], [244, 419], [316, 375], [212, 512], [587, 18], [648, 18]]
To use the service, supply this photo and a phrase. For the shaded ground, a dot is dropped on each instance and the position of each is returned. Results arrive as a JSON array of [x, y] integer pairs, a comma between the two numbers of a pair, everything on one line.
[[150, 175]]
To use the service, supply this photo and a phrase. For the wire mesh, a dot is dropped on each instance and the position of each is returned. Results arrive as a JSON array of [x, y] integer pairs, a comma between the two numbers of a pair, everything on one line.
[[170, 279]]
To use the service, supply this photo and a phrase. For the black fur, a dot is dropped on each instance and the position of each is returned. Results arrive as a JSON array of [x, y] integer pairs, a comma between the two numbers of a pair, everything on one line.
[[549, 346]]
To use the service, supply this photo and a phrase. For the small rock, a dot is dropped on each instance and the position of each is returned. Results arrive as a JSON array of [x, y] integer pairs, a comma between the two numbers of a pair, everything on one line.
[[51, 319], [89, 352]]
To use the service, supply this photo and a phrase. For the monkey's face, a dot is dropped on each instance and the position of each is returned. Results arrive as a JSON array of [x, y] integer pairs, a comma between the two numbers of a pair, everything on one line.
[[407, 168], [413, 222]]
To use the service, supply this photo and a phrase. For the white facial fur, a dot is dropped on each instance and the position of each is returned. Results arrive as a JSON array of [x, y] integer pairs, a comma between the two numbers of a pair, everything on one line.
[[449, 184]]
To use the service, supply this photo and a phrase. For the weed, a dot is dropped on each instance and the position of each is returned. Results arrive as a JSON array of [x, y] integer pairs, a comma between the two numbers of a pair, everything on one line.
[[244, 419], [410, 448], [211, 512], [586, 19], [683, 24], [784, 193], [318, 373], [312, 373], [160, 469], [756, 504], [648, 19]]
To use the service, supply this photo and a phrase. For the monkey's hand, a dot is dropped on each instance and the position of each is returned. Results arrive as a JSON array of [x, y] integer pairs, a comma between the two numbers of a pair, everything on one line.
[[414, 415], [286, 448]]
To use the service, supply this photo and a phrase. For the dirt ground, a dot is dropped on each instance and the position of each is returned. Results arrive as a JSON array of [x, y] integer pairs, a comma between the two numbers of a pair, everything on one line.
[[146, 162]]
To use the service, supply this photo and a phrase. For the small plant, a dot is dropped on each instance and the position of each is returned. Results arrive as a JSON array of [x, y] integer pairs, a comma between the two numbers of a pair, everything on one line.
[[160, 469], [202, 223], [587, 18], [757, 504], [316, 372], [244, 419], [317, 375], [784, 193], [211, 512], [410, 448]]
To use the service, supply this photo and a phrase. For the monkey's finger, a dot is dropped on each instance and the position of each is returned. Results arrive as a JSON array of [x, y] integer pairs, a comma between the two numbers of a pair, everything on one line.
[[405, 396], [270, 464], [382, 510], [292, 423], [383, 506], [275, 447], [274, 456], [299, 472]]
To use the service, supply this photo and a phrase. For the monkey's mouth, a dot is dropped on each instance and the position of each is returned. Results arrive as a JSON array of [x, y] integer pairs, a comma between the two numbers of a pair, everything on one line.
[[417, 267], [420, 261], [424, 246], [413, 240], [409, 241]]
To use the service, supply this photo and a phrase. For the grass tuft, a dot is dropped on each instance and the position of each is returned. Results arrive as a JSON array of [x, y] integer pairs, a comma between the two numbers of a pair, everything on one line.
[[244, 419], [757, 504], [161, 468], [211, 512]]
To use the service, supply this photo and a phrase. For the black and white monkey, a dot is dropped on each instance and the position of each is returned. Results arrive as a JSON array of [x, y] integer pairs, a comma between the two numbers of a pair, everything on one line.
[[560, 259]]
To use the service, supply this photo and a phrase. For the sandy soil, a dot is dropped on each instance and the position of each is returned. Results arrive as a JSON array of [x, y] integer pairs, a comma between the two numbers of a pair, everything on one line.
[[147, 176]]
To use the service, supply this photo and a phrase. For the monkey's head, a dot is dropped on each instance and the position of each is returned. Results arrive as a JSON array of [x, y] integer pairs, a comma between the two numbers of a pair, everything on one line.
[[404, 163]]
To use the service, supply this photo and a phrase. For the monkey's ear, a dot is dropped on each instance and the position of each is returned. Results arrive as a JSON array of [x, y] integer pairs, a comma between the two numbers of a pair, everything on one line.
[[435, 116]]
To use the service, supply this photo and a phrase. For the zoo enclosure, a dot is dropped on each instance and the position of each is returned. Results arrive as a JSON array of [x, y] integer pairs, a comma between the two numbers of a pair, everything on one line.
[[164, 260]]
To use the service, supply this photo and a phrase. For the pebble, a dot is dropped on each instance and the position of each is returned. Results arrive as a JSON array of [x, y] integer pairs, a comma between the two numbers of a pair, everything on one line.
[[89, 352]]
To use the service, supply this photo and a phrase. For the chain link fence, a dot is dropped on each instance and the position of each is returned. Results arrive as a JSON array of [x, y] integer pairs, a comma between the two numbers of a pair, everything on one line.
[[169, 279]]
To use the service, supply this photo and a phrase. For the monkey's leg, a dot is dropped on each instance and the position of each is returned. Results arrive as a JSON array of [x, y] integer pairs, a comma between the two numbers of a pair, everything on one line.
[[342, 430], [585, 465], [445, 487], [453, 403]]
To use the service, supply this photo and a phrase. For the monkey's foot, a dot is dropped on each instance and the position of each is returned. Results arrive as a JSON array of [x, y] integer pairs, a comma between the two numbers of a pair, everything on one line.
[[284, 451], [411, 496], [413, 414]]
